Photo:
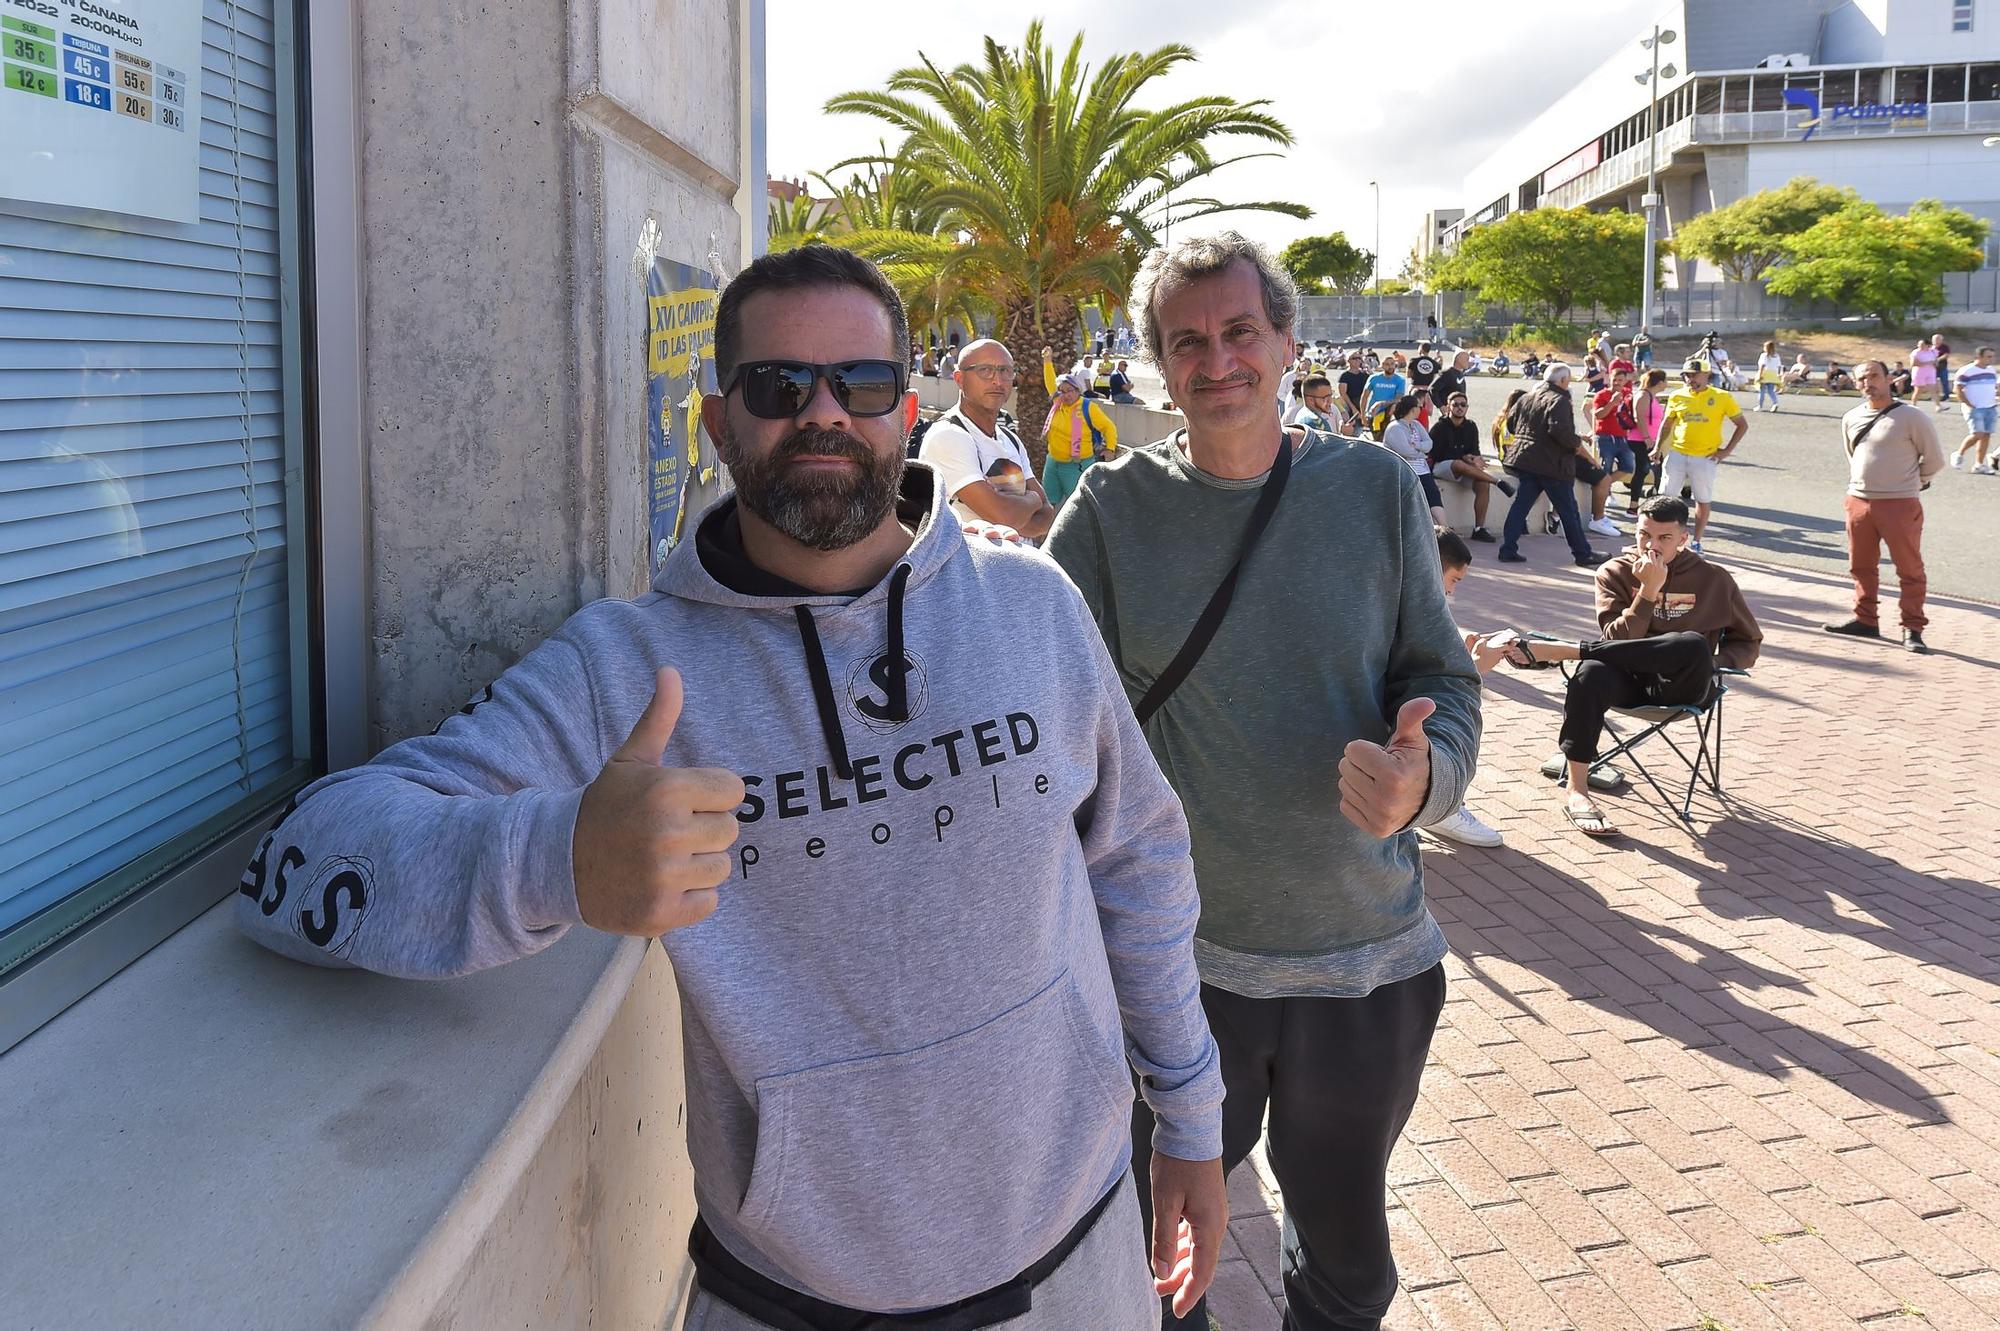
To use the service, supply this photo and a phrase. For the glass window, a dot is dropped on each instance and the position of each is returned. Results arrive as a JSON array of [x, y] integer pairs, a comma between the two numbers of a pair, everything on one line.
[[1735, 95], [1948, 83], [1913, 85], [1768, 92], [1961, 16], [1983, 83], [154, 667], [1837, 89], [1707, 97]]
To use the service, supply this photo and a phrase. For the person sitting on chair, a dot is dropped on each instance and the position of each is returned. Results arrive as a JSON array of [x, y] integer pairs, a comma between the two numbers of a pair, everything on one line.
[[1669, 618]]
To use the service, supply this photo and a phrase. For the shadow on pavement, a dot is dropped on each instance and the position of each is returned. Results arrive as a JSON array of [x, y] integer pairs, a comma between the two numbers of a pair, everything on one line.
[[1681, 986]]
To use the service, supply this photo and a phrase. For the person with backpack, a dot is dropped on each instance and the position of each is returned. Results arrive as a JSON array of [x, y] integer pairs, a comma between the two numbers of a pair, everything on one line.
[[1272, 600], [1080, 432], [980, 463], [1611, 409]]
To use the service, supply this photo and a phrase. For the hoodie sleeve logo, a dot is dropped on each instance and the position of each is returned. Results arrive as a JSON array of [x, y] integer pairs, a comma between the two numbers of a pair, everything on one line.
[[871, 689], [336, 901]]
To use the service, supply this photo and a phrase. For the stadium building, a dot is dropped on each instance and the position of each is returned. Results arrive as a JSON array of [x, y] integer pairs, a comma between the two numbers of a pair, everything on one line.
[[1899, 99]]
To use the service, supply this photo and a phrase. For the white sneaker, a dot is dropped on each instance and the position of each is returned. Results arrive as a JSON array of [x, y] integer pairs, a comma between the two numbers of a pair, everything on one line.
[[1603, 527], [1695, 546], [1465, 829], [1981, 469], [1957, 462]]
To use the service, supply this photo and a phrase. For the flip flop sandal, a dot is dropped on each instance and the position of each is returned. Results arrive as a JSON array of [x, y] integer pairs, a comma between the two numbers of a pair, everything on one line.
[[1590, 822], [1520, 654]]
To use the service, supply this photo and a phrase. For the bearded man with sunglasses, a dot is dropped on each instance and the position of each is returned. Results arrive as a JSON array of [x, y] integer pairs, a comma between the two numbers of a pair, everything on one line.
[[1298, 674], [802, 761]]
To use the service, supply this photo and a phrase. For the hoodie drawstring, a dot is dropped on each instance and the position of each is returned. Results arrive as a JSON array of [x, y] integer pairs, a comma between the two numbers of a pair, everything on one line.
[[822, 683]]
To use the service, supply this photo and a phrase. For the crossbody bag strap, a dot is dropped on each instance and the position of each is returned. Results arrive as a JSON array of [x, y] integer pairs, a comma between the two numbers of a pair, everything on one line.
[[1211, 615], [1873, 421]]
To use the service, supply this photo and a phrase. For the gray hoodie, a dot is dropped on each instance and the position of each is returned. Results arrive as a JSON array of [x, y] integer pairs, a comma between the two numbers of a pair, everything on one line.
[[905, 1072]]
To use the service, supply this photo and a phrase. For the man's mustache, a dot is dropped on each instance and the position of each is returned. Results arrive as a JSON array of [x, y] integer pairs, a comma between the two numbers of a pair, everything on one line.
[[1200, 382], [822, 443]]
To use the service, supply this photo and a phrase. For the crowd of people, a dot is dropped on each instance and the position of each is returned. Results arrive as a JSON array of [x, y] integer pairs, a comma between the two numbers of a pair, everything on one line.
[[1013, 897]]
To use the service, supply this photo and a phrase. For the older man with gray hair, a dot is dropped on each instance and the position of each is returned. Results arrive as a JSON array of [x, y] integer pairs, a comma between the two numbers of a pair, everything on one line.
[[1546, 451], [1274, 605]]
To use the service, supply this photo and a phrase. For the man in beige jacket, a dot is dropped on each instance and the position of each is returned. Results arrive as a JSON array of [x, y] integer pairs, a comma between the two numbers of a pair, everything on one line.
[[1892, 454]]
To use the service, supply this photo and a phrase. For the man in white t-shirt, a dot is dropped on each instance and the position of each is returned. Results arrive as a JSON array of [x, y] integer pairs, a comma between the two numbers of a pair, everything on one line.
[[980, 462], [1977, 387]]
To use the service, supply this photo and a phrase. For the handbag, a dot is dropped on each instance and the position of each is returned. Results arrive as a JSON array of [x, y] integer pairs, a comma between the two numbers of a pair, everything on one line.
[[1210, 619]]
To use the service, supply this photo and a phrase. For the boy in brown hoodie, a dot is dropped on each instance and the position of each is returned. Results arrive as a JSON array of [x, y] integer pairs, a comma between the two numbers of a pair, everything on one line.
[[1669, 617]]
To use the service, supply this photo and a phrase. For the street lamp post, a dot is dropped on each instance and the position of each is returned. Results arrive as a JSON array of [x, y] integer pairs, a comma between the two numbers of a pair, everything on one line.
[[1651, 201], [1377, 256]]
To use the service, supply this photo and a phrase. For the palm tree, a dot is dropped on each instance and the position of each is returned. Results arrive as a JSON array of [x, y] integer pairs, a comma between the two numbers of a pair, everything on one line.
[[1051, 183], [890, 212]]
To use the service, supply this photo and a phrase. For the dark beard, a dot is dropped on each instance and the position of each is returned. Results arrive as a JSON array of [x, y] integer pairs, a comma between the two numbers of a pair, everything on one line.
[[823, 512]]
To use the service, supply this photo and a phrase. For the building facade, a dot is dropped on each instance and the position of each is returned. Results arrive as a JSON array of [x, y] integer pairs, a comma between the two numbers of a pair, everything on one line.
[[1893, 98]]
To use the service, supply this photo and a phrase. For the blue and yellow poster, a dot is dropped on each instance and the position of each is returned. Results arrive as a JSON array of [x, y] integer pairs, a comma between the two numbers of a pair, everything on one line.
[[680, 368]]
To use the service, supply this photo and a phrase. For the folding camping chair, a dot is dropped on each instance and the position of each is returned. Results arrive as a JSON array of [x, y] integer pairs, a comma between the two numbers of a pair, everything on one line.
[[1703, 758]]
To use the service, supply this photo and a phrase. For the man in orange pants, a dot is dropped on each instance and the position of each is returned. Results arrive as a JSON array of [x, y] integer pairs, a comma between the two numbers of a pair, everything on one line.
[[1893, 452]]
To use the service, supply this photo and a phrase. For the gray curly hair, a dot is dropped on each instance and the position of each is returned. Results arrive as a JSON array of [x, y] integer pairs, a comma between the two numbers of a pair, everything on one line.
[[1204, 256]]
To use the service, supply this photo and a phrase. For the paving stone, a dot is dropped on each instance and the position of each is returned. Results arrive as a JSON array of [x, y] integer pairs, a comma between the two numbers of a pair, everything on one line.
[[1747, 1070]]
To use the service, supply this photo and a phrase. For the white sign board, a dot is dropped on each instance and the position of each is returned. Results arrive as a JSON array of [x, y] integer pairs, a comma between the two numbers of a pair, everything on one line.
[[100, 105]]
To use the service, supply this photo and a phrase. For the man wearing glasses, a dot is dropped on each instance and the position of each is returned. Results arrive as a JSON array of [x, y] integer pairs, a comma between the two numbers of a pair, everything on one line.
[[980, 463], [877, 790]]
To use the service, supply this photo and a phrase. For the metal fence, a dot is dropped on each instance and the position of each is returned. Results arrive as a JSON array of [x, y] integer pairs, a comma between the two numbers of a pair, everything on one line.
[[1699, 305]]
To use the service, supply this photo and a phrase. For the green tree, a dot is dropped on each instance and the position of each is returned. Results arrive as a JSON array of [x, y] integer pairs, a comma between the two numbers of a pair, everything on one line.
[[1324, 265], [1548, 261], [1747, 237], [1053, 181], [1879, 263]]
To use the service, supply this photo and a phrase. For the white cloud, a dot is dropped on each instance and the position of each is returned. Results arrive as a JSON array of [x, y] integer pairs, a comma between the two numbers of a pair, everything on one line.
[[1412, 96]]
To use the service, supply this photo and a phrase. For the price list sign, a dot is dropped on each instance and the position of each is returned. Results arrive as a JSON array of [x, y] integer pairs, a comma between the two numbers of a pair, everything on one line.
[[98, 105]]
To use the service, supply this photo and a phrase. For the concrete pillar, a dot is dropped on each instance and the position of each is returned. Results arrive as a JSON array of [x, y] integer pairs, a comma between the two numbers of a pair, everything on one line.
[[523, 159]]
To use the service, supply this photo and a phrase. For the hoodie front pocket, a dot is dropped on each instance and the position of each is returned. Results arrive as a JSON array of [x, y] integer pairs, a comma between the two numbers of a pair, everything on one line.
[[915, 1179]]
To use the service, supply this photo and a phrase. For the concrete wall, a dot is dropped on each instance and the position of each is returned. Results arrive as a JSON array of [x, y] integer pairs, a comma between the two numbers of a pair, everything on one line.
[[509, 217], [593, 1237], [1136, 425], [505, 314]]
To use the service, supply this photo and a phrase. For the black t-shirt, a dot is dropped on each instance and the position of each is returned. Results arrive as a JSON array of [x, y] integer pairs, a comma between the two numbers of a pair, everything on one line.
[[1423, 369], [1119, 383], [1352, 384], [1449, 440], [1450, 380]]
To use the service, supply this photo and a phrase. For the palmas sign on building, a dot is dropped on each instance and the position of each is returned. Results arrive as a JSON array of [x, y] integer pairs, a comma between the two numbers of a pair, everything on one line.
[[1808, 100]]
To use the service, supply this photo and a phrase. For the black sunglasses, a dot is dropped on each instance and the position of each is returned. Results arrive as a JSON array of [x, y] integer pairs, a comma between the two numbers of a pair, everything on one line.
[[778, 390]]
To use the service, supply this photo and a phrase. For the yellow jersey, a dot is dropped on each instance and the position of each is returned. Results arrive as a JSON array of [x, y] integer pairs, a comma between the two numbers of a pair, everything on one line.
[[1693, 423]]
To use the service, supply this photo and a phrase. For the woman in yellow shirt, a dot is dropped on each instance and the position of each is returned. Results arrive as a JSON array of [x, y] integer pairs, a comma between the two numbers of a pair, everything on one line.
[[1079, 431]]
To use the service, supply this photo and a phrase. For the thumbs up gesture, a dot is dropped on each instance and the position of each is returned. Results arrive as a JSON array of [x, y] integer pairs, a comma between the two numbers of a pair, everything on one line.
[[1383, 786], [652, 842]]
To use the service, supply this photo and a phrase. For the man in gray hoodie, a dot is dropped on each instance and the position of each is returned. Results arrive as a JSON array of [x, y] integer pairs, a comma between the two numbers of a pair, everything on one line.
[[909, 1081], [1333, 713]]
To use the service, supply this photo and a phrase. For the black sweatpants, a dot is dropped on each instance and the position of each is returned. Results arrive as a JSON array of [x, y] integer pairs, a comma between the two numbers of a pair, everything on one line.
[[1338, 1077], [1673, 669]]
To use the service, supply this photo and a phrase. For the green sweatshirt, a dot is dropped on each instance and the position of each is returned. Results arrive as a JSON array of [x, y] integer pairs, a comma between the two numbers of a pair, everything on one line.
[[1339, 618]]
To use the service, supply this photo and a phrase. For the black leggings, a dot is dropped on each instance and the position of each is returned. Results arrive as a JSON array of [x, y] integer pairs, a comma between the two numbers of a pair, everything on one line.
[[1339, 1078], [1673, 669], [1642, 466]]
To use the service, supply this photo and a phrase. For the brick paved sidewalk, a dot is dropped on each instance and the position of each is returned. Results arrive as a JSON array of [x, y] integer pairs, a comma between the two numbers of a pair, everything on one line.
[[1745, 1076]]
